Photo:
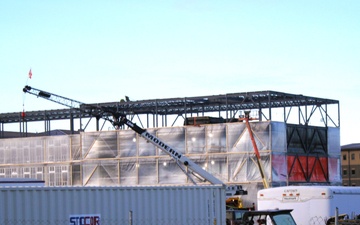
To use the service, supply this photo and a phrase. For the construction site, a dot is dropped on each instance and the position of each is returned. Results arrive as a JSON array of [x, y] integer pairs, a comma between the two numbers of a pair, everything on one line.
[[252, 140]]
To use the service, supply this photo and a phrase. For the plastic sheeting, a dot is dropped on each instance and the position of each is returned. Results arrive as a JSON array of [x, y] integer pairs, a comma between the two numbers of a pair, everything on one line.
[[124, 158]]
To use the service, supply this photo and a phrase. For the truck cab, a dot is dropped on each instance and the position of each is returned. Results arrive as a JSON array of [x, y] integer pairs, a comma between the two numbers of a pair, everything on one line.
[[262, 217]]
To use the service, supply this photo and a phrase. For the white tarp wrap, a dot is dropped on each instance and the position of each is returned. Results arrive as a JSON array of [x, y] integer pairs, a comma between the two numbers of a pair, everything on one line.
[[124, 158]]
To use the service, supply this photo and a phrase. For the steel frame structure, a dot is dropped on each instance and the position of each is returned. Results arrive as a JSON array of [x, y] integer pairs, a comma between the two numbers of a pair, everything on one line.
[[229, 106]]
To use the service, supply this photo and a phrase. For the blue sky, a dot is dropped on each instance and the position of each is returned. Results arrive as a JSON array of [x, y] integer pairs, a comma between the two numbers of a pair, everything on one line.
[[100, 51]]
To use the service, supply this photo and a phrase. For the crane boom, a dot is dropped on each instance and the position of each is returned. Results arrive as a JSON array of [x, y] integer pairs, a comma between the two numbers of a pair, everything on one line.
[[256, 150], [120, 119], [179, 157], [52, 97]]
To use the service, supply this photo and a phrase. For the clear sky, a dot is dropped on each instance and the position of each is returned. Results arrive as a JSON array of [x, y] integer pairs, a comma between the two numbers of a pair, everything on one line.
[[100, 51]]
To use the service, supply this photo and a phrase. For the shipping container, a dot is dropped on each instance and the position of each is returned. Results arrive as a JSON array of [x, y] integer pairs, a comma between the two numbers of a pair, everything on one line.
[[311, 204], [132, 205]]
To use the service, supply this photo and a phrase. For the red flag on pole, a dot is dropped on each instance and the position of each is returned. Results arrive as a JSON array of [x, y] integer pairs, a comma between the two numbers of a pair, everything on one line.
[[30, 74]]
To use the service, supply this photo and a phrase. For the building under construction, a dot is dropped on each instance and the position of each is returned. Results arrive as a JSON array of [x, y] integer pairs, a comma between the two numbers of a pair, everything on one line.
[[297, 136]]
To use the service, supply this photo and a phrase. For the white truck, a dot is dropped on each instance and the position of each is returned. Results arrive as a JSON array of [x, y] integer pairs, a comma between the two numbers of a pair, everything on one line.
[[311, 204]]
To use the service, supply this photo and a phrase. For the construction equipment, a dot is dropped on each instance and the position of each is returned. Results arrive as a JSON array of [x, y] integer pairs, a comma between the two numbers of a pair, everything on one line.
[[191, 169], [52, 97], [235, 202], [187, 166], [179, 157], [256, 150], [96, 112], [263, 217]]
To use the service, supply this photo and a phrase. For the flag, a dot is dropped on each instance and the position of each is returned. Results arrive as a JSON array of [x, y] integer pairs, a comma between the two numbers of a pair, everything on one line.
[[30, 74]]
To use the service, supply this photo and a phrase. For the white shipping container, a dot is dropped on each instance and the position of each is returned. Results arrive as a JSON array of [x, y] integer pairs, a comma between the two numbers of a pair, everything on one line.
[[311, 204], [113, 205]]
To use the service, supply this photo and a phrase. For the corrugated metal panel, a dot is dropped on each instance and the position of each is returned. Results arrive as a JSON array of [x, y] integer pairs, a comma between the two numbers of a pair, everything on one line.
[[112, 205]]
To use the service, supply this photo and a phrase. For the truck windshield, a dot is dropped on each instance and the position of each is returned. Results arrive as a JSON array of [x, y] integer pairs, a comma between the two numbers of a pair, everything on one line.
[[283, 219], [238, 214]]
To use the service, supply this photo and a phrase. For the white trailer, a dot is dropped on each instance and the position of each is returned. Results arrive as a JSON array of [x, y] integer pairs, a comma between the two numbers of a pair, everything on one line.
[[311, 204], [202, 204]]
